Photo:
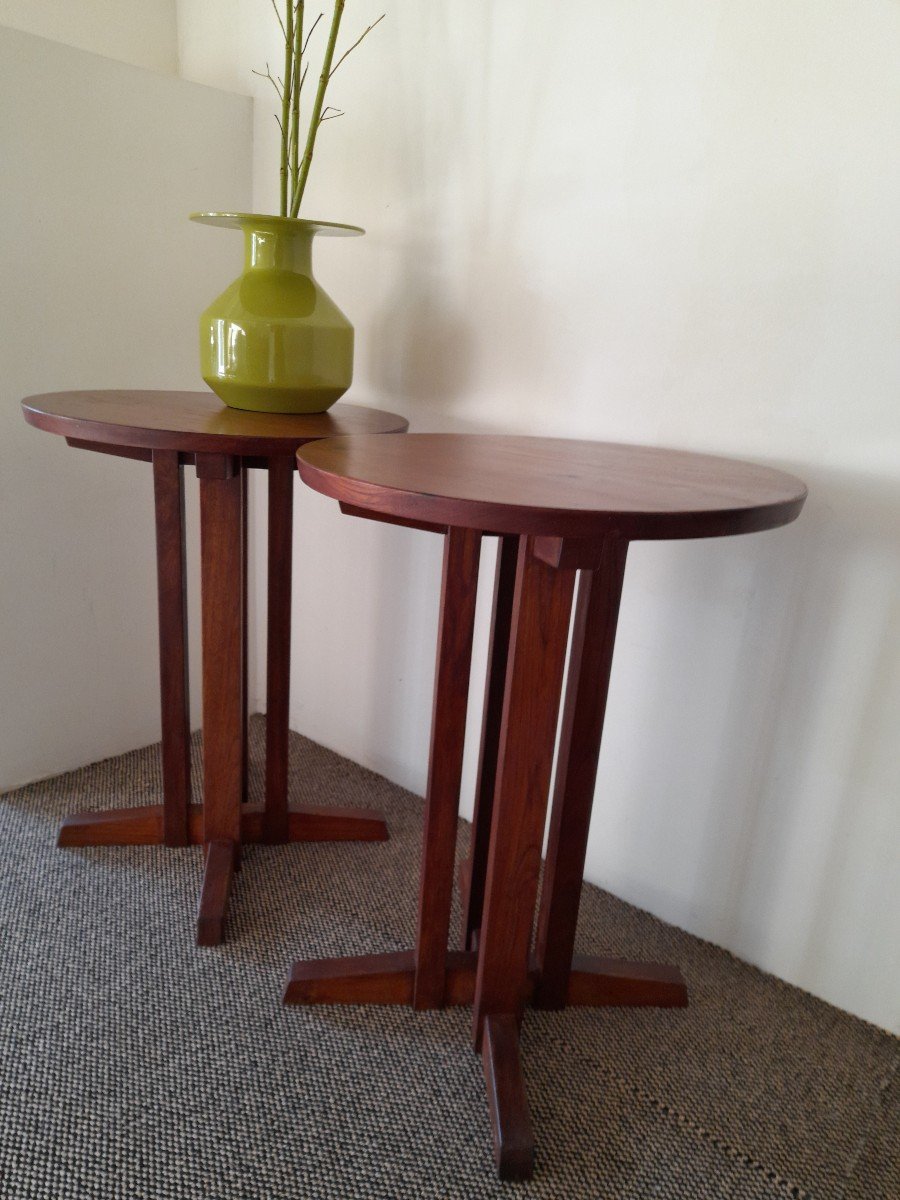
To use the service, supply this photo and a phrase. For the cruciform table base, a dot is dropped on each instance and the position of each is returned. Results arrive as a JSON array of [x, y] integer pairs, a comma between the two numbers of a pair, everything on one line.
[[224, 821], [145, 826], [496, 972], [391, 979]]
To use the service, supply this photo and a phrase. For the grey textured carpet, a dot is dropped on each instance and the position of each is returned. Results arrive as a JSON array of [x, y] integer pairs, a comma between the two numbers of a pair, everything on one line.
[[134, 1065]]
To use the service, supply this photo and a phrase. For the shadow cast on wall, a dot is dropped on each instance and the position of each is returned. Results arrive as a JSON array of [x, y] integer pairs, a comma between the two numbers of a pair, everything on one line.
[[759, 673]]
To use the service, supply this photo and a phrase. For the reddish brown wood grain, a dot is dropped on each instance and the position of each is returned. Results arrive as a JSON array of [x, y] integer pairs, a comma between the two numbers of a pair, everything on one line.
[[448, 729], [215, 893], [375, 979], [245, 634], [507, 1101], [541, 608], [171, 576], [584, 709], [613, 982], [278, 644], [551, 487], [472, 894], [143, 826], [194, 422], [221, 603]]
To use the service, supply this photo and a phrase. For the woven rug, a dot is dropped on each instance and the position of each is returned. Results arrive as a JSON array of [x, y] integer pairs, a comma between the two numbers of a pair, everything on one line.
[[134, 1065]]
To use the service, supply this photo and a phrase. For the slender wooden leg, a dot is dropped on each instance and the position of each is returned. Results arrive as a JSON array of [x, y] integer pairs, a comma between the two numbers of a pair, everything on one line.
[[540, 627], [278, 644], [214, 896], [561, 979], [541, 609], [587, 687], [245, 660], [221, 594], [168, 490], [507, 1101], [168, 824], [472, 874], [429, 976], [303, 824], [448, 731]]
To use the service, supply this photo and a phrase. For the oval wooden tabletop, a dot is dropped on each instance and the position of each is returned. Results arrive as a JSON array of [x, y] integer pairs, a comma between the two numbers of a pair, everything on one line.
[[195, 422], [551, 487]]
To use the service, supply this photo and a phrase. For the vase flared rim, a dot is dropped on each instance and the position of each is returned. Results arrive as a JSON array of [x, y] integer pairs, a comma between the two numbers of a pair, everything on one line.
[[265, 222]]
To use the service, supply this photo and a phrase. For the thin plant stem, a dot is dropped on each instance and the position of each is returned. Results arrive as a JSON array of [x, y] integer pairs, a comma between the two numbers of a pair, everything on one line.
[[316, 115], [294, 169], [286, 101], [296, 84]]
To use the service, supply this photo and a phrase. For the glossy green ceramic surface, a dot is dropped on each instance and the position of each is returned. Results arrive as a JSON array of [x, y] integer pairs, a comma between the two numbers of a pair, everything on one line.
[[274, 341]]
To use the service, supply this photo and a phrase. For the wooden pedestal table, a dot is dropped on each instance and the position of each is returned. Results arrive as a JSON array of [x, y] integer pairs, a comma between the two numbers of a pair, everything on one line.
[[559, 508], [171, 430]]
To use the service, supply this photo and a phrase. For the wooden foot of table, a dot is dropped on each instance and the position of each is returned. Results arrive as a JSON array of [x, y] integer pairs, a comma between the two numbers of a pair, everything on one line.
[[144, 826], [220, 864], [389, 979], [507, 1101], [376, 979], [607, 982]]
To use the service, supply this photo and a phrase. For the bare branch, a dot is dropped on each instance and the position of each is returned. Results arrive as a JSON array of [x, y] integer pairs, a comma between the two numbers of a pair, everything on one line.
[[268, 75], [278, 15], [311, 28], [356, 43]]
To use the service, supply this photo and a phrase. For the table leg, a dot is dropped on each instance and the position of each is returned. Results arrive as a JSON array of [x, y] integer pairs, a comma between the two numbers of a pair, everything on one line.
[[587, 687], [222, 611], [474, 868], [170, 822], [429, 976], [168, 490], [303, 823], [507, 1102], [278, 644], [245, 624], [217, 875], [448, 731], [594, 981], [541, 609]]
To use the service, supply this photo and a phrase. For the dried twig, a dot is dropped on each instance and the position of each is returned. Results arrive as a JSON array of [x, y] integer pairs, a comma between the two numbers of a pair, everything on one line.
[[356, 43], [280, 22], [268, 75], [311, 30]]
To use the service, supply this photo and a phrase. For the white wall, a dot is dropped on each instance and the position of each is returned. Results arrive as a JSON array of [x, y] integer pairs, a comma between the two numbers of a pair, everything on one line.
[[670, 223], [103, 278], [143, 34]]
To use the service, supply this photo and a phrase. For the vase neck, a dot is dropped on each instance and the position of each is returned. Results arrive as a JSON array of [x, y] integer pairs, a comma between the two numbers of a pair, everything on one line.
[[276, 250]]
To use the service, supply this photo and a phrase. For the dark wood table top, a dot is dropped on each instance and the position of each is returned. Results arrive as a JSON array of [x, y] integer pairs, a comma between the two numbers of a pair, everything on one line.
[[195, 422], [552, 487]]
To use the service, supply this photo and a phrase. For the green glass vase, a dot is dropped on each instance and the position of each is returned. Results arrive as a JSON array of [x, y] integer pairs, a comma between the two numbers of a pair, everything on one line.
[[274, 341]]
